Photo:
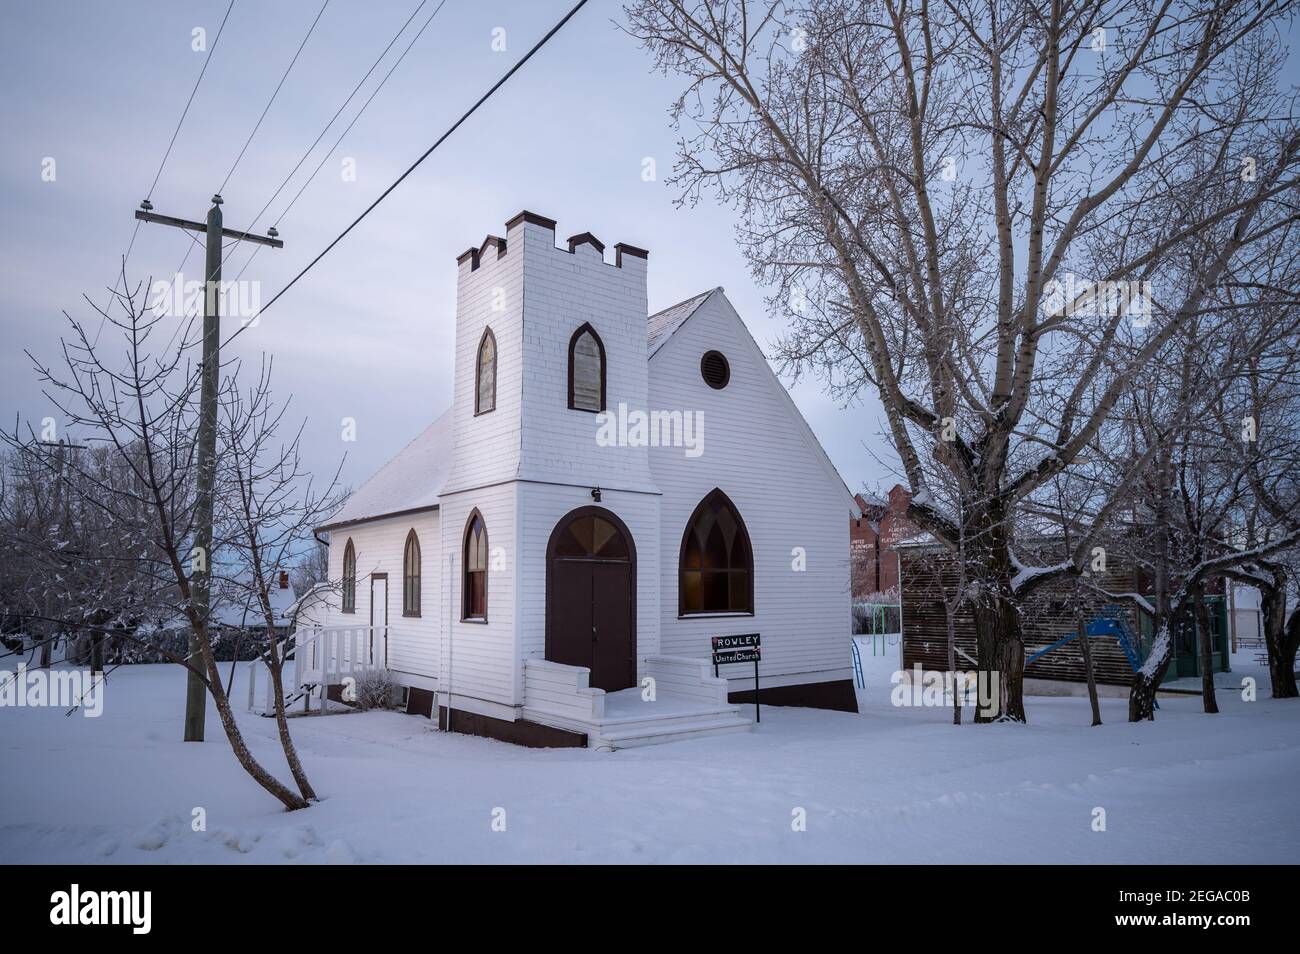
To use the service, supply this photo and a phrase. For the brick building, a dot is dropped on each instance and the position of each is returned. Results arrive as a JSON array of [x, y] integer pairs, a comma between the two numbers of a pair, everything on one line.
[[872, 538]]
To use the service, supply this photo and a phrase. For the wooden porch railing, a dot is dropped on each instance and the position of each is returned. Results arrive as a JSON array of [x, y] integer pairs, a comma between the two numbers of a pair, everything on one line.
[[323, 656]]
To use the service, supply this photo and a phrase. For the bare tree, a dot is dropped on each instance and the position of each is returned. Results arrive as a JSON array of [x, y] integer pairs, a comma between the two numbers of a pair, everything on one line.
[[311, 568], [34, 519], [1268, 412], [139, 422], [271, 511], [921, 182], [70, 574]]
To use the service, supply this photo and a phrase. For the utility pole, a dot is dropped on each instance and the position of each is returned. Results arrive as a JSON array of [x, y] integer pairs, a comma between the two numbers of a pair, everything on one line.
[[201, 568]]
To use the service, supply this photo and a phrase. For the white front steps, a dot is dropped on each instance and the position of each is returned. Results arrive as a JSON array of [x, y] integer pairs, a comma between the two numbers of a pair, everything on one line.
[[653, 731], [630, 722], [690, 703]]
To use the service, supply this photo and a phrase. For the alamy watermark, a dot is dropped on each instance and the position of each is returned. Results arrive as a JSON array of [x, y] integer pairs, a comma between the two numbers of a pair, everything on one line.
[[637, 428], [53, 688], [935, 688], [130, 908], [179, 298], [1099, 299]]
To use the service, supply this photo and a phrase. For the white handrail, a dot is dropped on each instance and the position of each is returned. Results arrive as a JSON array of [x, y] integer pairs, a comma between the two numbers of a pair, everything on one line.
[[324, 656]]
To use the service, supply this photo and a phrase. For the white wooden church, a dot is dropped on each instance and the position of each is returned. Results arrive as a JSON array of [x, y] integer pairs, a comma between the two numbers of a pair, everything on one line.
[[548, 560]]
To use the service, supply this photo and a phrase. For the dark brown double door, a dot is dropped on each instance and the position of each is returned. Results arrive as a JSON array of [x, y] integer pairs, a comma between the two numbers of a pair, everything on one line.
[[591, 597]]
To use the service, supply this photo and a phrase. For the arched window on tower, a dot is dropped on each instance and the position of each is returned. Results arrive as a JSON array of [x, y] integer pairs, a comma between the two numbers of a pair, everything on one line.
[[485, 374], [586, 370]]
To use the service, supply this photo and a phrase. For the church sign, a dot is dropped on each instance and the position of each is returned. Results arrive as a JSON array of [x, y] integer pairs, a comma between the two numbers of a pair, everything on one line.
[[739, 649], [736, 649]]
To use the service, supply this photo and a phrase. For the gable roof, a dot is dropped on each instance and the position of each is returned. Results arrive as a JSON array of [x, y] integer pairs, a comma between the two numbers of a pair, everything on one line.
[[673, 318], [662, 324], [410, 481]]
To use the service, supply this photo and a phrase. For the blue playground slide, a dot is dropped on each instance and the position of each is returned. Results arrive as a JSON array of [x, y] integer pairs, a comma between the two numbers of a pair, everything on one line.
[[1111, 622]]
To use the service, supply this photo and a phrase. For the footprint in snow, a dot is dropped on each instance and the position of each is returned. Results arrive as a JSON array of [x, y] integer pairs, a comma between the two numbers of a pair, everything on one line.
[[240, 841], [341, 853], [157, 836], [293, 841]]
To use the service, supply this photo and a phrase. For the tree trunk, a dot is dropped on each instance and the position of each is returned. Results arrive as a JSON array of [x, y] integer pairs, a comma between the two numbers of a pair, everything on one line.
[[96, 652], [1087, 667], [1001, 658], [291, 801], [1142, 694], [1001, 647], [1281, 649], [275, 664], [1205, 642], [952, 664], [47, 638], [1284, 682]]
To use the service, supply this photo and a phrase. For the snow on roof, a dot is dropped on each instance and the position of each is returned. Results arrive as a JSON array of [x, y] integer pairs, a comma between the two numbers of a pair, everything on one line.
[[871, 500], [662, 324], [412, 480], [234, 604], [240, 608], [922, 539]]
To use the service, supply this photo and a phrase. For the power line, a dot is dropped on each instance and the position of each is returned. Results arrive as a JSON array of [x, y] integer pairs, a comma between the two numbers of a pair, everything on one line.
[[276, 93], [189, 250], [360, 112], [186, 111], [428, 152], [325, 158], [329, 124], [344, 106], [158, 175]]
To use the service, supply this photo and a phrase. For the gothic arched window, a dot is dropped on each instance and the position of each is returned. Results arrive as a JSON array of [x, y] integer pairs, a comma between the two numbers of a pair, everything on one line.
[[586, 370], [716, 568], [485, 374], [411, 575], [349, 578], [474, 577]]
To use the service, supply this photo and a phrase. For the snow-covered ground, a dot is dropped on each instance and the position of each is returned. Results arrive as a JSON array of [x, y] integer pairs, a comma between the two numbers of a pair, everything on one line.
[[889, 785]]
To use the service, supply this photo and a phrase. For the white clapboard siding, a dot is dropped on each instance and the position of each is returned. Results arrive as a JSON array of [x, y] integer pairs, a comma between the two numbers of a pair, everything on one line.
[[379, 544], [566, 290], [480, 660], [757, 451], [486, 446], [531, 460]]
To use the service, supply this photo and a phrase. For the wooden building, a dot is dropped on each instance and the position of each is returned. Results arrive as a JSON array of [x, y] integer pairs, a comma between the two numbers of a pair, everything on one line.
[[562, 534], [1053, 658]]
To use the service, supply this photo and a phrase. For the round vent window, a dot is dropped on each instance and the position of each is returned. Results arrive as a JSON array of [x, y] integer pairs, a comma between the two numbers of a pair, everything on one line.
[[715, 369]]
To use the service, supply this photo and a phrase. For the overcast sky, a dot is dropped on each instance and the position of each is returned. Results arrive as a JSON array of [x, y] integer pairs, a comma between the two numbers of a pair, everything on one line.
[[98, 87]]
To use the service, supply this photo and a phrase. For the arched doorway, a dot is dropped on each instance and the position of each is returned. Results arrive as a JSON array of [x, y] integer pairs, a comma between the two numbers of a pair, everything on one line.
[[591, 597]]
